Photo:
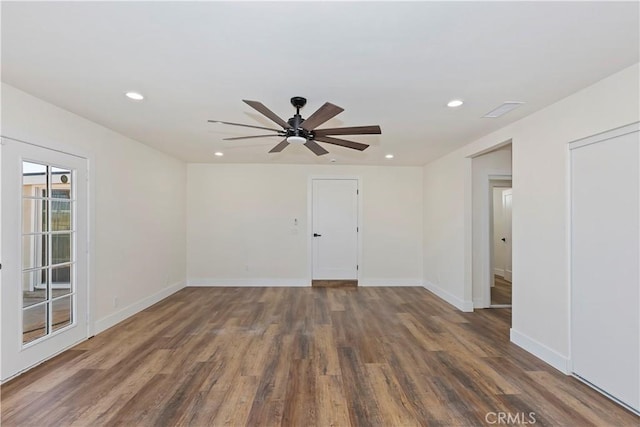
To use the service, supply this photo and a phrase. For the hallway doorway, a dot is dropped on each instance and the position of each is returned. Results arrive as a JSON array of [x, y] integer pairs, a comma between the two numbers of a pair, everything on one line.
[[489, 170], [501, 243]]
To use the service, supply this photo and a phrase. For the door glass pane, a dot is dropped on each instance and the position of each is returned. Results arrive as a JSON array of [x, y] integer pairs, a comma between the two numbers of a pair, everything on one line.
[[34, 287], [60, 181], [34, 215], [34, 323], [62, 312], [34, 251], [34, 178], [60, 215], [60, 248], [61, 281]]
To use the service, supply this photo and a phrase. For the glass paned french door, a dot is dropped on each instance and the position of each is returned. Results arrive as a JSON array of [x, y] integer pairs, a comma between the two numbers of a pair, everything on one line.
[[44, 244], [48, 258]]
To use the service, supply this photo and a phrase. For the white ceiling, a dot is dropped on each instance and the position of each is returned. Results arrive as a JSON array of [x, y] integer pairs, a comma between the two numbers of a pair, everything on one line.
[[392, 64]]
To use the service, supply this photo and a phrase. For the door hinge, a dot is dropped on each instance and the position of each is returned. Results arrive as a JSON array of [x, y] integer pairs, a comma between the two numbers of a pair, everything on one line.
[[357, 229], [357, 267], [357, 191]]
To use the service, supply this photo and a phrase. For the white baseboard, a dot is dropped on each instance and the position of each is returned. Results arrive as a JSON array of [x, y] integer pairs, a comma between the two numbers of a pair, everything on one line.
[[206, 282], [498, 271], [541, 351], [117, 317], [390, 282], [462, 305]]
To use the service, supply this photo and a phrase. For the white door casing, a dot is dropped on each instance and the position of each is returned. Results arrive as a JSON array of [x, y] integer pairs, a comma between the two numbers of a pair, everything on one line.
[[605, 268], [334, 229], [16, 356], [506, 216]]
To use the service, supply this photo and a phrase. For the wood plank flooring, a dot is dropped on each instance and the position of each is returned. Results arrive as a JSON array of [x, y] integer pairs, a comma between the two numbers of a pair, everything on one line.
[[303, 357], [334, 283]]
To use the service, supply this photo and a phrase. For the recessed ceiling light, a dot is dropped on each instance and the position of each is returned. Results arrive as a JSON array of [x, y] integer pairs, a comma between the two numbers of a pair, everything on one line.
[[455, 103], [134, 96], [218, 154], [389, 156]]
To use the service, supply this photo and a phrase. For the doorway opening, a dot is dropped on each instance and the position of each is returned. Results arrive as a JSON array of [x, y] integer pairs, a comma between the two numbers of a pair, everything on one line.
[[501, 269], [489, 169]]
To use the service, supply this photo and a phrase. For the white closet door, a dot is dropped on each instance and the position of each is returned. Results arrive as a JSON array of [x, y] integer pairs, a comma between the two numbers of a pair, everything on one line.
[[335, 229], [605, 262]]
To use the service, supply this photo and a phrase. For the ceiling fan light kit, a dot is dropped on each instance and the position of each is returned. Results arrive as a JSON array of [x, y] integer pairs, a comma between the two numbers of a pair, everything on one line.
[[296, 139], [298, 130]]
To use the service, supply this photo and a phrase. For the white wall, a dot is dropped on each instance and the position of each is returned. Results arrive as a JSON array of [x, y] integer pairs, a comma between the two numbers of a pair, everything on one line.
[[241, 223], [492, 164], [446, 246], [137, 205], [540, 209]]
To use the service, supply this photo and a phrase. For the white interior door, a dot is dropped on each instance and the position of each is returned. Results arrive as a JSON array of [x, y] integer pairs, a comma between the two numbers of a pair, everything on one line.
[[335, 229], [44, 248], [605, 268], [506, 218]]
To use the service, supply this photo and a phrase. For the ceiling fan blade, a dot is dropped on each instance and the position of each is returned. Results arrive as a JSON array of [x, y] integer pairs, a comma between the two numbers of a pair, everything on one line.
[[243, 125], [353, 130], [281, 146], [315, 147], [322, 114], [262, 109], [342, 142], [235, 138]]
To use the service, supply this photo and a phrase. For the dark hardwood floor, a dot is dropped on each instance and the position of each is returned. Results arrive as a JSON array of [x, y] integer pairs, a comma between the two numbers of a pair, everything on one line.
[[303, 357]]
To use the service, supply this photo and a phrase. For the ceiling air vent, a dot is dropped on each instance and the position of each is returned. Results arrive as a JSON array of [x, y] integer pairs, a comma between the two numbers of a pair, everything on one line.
[[503, 109]]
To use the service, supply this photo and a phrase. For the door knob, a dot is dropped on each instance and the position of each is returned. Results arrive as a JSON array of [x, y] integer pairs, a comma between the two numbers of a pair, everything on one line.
[[317, 235]]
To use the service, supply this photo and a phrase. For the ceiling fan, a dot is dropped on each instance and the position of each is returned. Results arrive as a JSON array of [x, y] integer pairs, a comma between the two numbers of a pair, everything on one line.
[[297, 130]]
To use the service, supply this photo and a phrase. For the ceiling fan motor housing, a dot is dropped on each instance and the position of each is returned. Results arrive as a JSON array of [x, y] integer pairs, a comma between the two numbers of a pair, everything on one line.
[[296, 130]]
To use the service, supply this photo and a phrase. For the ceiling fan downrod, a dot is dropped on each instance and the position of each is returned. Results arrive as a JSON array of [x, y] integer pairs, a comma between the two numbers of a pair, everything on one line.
[[298, 102]]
